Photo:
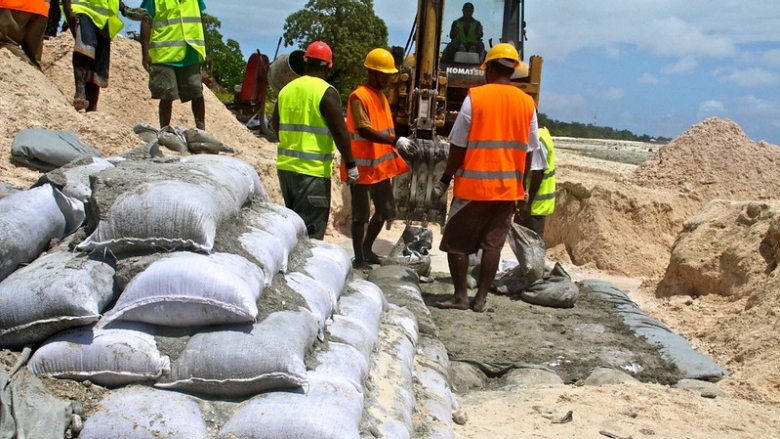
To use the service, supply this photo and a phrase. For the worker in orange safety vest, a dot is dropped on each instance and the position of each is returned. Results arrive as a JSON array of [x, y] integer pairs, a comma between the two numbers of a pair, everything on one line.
[[493, 134], [22, 25], [376, 151]]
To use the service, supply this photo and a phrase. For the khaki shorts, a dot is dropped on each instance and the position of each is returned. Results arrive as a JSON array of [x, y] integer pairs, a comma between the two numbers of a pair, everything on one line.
[[477, 225], [171, 83]]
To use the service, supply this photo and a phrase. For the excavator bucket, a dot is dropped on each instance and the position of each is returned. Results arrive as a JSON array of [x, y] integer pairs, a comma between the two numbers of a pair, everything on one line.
[[413, 191]]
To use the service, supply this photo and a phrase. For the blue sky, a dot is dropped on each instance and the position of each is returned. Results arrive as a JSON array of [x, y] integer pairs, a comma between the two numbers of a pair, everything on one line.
[[654, 67]]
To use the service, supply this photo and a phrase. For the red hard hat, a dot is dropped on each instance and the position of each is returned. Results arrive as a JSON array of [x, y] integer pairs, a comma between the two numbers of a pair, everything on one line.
[[319, 50]]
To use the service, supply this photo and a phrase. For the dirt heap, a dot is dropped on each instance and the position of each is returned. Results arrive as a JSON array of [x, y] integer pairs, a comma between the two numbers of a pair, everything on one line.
[[714, 159]]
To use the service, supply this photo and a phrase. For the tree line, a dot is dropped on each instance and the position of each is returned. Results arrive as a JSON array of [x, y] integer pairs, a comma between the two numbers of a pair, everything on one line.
[[590, 131]]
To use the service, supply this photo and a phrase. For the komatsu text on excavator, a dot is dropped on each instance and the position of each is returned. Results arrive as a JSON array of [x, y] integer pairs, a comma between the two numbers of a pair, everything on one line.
[[433, 80]]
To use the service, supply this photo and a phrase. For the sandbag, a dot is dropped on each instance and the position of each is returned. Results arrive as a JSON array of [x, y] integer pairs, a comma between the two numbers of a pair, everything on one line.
[[555, 290], [29, 220], [330, 265], [353, 332], [57, 291], [435, 401], [73, 178], [316, 295], [191, 289], [201, 142], [331, 409], [109, 357], [529, 250], [342, 361], [281, 222], [244, 360], [146, 132], [168, 205], [146, 413], [362, 308], [48, 149], [172, 137], [267, 251]]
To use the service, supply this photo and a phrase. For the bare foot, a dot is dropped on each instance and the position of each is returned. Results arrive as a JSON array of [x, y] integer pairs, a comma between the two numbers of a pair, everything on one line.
[[361, 266], [80, 104], [452, 304], [372, 258], [477, 306]]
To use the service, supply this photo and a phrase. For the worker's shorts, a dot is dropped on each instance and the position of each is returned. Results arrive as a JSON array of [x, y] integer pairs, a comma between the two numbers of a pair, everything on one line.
[[309, 197], [477, 225], [95, 46], [381, 194], [25, 30], [170, 83]]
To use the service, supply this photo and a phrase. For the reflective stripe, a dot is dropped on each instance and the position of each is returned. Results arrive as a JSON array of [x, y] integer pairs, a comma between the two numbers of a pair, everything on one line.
[[489, 175], [375, 162], [320, 131], [358, 137], [304, 155], [544, 197], [549, 174], [498, 144], [174, 43], [163, 23], [101, 11]]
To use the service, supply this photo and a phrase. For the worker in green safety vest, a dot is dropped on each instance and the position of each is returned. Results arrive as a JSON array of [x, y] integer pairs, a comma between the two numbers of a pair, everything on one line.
[[540, 202], [173, 46]]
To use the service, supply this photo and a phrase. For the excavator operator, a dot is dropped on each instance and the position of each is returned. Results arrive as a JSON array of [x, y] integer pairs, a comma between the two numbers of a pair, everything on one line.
[[465, 35]]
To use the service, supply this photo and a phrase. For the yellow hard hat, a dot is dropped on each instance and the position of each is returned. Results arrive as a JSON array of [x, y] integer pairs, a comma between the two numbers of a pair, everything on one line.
[[502, 51], [380, 60]]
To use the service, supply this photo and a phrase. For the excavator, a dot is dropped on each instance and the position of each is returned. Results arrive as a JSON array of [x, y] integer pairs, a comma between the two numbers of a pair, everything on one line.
[[426, 95]]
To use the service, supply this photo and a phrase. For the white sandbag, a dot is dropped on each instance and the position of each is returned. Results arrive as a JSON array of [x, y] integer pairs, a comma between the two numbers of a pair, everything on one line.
[[342, 361], [370, 290], [57, 291], [109, 357], [268, 251], [245, 360], [191, 289], [329, 264], [146, 413], [363, 308], [354, 333], [77, 178], [317, 297], [29, 220], [435, 401], [331, 409], [233, 172], [283, 223]]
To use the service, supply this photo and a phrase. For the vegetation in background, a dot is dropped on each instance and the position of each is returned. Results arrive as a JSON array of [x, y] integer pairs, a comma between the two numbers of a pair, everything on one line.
[[590, 131], [349, 27], [227, 61]]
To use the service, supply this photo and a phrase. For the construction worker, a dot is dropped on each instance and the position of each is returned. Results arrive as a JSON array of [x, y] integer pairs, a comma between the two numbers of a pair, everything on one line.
[[93, 23], [541, 189], [22, 25], [376, 148], [308, 118], [493, 134], [174, 45], [465, 34]]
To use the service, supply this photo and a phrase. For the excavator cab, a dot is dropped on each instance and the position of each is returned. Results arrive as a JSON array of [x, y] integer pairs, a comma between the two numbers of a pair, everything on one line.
[[439, 64]]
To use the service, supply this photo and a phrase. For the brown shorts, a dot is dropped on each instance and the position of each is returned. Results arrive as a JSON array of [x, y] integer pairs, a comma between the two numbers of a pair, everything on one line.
[[477, 225], [171, 83], [25, 30], [381, 194]]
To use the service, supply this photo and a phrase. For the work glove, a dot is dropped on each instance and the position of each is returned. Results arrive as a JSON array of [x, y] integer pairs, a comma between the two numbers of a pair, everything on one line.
[[406, 146], [352, 174], [440, 187]]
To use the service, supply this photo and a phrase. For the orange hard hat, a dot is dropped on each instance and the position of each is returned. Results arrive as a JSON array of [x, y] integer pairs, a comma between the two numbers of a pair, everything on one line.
[[321, 51]]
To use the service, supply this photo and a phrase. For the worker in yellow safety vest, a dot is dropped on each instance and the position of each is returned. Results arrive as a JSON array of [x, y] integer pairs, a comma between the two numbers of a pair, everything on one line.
[[490, 141], [376, 150], [541, 190], [22, 26], [173, 46], [93, 23], [465, 34], [308, 118]]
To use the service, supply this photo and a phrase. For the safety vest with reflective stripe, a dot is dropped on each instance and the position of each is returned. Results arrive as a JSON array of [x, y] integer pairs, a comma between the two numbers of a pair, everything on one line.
[[101, 12], [38, 7], [544, 201], [493, 167], [466, 36], [176, 25], [375, 161], [305, 143]]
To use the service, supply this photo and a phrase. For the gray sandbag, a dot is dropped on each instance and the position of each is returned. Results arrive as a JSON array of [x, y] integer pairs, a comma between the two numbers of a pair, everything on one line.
[[145, 413], [342, 361], [27, 410], [400, 287], [529, 250], [110, 357], [73, 178], [191, 289], [172, 137], [57, 291], [555, 290], [244, 360], [316, 295], [146, 132], [201, 142], [48, 149], [29, 220], [435, 401], [331, 409], [168, 204], [330, 265], [673, 347]]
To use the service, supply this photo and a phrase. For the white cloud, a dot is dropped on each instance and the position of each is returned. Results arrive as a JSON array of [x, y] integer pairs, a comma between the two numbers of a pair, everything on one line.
[[755, 77], [761, 107], [613, 94], [711, 108], [647, 78], [562, 107], [772, 58], [673, 37], [684, 66], [612, 52]]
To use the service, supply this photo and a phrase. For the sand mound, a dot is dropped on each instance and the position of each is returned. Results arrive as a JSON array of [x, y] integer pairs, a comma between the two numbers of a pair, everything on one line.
[[714, 159]]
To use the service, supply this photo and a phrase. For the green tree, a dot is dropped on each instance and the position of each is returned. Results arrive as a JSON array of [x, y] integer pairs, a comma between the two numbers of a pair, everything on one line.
[[349, 27], [226, 57]]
